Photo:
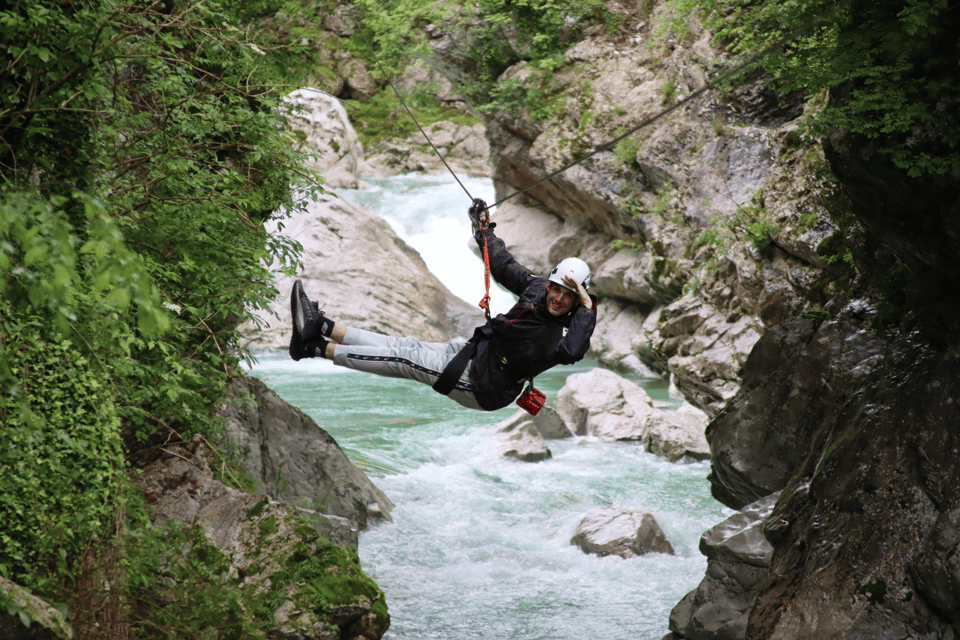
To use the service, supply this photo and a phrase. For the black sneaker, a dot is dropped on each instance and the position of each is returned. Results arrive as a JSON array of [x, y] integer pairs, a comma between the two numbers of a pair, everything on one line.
[[308, 322]]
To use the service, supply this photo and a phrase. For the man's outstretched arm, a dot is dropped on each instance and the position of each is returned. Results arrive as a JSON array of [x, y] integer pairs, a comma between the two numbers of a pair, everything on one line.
[[503, 267]]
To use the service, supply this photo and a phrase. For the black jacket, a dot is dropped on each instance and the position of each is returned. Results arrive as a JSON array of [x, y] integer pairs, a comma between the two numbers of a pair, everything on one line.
[[527, 340]]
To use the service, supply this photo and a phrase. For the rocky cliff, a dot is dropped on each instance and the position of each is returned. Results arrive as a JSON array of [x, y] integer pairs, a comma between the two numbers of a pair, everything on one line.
[[795, 291]]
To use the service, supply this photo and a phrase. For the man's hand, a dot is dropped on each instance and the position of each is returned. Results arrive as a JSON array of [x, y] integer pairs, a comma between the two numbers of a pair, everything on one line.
[[585, 298], [479, 216]]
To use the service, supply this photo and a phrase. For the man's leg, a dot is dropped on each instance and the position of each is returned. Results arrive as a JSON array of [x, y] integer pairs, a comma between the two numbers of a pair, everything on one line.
[[401, 358], [373, 352]]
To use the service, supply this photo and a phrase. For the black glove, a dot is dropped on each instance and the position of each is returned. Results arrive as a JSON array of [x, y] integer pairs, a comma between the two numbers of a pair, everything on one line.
[[479, 216]]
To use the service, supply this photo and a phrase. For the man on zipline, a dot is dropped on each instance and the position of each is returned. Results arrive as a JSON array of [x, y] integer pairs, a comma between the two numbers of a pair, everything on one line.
[[550, 324]]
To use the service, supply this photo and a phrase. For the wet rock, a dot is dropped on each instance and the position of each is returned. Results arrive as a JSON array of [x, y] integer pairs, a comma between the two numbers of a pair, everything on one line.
[[600, 404], [738, 561], [794, 377], [523, 442], [620, 532], [295, 461], [547, 422]]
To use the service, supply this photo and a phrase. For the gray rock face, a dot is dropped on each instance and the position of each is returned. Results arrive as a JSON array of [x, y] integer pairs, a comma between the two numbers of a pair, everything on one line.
[[621, 532], [464, 149], [794, 378], [704, 350], [324, 130], [738, 563], [295, 461], [865, 453]]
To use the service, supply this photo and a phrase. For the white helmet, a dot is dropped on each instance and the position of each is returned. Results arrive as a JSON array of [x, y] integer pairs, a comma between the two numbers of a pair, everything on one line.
[[573, 267]]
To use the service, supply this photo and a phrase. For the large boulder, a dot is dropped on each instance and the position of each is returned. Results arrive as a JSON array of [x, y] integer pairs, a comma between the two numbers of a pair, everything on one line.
[[521, 440], [620, 532], [796, 375], [603, 405], [738, 561], [363, 275], [323, 129], [293, 460], [548, 423], [318, 590]]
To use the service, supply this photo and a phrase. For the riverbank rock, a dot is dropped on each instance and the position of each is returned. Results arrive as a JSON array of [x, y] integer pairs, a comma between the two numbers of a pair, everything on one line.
[[547, 422], [18, 606], [267, 546], [798, 373], [866, 457], [606, 406], [738, 561], [523, 442], [323, 129], [293, 460], [362, 274], [620, 532]]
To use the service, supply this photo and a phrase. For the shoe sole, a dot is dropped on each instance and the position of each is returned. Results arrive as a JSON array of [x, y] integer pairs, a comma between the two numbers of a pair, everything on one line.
[[299, 319], [296, 310]]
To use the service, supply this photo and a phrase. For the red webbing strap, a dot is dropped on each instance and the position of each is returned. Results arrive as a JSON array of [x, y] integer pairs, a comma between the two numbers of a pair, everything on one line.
[[485, 303]]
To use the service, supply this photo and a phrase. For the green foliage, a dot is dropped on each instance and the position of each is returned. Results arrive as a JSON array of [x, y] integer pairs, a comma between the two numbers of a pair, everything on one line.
[[890, 67], [142, 151], [383, 117], [142, 148], [631, 245], [513, 95], [669, 90], [626, 150], [61, 465], [749, 223], [540, 31], [183, 586], [46, 266], [662, 204], [179, 585]]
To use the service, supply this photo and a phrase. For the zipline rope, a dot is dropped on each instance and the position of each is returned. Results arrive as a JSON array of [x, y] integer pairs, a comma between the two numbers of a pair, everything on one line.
[[731, 72], [722, 77], [410, 113]]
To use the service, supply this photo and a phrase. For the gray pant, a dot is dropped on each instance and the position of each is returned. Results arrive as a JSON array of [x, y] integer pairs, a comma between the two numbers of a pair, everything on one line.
[[404, 358]]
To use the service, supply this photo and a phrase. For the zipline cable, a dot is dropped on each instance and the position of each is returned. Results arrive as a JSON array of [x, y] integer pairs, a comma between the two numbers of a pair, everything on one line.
[[731, 72], [410, 113], [722, 77]]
